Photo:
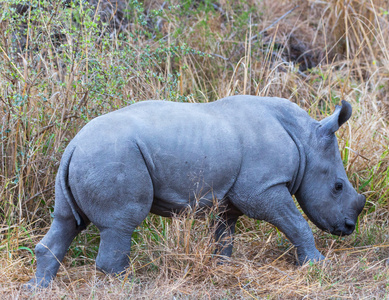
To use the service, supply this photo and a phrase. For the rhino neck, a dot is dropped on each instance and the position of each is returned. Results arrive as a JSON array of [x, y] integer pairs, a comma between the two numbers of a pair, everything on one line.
[[300, 128], [294, 185]]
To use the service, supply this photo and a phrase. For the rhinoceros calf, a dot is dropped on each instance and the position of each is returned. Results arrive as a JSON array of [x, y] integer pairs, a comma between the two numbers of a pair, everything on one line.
[[249, 153]]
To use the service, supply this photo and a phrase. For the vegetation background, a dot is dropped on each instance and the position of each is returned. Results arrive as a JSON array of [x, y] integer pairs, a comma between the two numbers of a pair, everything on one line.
[[65, 62]]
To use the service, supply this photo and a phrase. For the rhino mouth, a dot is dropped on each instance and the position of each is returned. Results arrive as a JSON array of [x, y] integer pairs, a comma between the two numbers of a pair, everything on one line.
[[344, 229], [339, 232], [341, 228]]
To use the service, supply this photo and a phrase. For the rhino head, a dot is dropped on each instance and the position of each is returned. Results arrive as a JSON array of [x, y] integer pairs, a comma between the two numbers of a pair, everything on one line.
[[325, 193]]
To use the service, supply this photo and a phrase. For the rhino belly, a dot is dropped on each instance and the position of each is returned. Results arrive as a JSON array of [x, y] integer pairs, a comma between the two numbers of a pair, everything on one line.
[[177, 189]]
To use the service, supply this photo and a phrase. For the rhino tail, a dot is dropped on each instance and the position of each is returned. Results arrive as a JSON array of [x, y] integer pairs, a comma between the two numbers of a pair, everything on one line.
[[63, 180]]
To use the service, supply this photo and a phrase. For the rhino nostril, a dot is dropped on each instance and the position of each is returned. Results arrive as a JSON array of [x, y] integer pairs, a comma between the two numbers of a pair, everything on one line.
[[350, 225]]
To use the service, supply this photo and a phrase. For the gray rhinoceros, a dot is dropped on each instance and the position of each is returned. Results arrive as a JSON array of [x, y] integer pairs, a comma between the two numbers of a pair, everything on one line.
[[246, 154]]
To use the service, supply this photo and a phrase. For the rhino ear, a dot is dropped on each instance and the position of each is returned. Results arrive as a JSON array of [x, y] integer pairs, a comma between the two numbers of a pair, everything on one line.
[[332, 123]]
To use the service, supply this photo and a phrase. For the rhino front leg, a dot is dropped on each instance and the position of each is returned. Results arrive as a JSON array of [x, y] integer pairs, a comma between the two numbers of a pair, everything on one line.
[[297, 230], [276, 206], [287, 218]]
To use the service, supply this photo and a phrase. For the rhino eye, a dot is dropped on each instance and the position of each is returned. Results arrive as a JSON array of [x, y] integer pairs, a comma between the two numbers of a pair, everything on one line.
[[338, 186]]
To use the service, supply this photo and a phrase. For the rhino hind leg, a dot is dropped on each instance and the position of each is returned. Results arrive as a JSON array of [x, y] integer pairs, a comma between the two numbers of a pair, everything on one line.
[[114, 251], [224, 231], [51, 250], [115, 239], [122, 200]]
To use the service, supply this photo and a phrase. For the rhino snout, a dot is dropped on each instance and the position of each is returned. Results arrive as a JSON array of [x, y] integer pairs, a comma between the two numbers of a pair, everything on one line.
[[346, 228]]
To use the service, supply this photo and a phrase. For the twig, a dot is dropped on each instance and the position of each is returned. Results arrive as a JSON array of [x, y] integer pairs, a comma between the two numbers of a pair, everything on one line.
[[357, 153], [219, 56], [288, 63], [274, 23], [5, 53], [49, 126], [362, 248], [39, 193], [82, 101], [8, 227]]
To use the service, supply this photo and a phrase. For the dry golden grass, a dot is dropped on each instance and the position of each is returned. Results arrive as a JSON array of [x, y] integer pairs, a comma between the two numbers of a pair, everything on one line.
[[56, 78], [176, 262]]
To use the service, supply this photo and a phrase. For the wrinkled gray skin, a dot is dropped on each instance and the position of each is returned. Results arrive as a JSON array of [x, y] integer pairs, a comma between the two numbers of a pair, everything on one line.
[[249, 153]]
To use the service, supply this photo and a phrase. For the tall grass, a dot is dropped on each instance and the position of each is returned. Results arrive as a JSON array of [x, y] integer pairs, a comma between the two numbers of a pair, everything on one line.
[[62, 64]]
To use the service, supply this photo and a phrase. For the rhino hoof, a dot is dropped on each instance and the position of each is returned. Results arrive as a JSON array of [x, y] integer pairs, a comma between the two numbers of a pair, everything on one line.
[[314, 259], [222, 260], [35, 284]]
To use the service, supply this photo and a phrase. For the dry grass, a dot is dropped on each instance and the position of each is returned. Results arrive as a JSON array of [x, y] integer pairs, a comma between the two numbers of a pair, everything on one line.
[[175, 261], [69, 67]]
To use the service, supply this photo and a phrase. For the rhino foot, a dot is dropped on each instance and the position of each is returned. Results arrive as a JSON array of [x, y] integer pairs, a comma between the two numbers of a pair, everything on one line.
[[36, 283], [314, 257]]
